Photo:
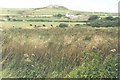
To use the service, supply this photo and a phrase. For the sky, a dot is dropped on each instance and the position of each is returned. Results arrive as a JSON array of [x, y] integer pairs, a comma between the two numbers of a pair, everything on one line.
[[81, 5]]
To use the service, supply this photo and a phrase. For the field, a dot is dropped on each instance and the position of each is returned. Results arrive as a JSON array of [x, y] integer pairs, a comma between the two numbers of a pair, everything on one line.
[[8, 25], [60, 52], [49, 51]]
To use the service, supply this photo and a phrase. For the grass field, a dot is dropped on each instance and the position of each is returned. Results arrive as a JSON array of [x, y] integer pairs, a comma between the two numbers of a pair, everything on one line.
[[8, 25], [47, 10], [49, 51], [78, 52]]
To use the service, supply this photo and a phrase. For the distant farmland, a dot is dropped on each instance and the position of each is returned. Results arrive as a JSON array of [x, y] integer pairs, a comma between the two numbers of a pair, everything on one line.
[[79, 45]]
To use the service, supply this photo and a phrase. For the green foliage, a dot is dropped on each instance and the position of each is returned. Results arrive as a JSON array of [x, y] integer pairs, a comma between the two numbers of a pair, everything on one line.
[[104, 23], [76, 25], [96, 23], [94, 66], [109, 18], [58, 15], [93, 17], [62, 25]]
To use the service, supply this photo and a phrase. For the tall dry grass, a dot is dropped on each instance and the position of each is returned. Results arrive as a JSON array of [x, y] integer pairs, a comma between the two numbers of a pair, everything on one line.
[[46, 53]]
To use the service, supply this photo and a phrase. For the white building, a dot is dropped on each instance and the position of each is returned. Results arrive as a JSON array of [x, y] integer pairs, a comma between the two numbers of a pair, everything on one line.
[[71, 16]]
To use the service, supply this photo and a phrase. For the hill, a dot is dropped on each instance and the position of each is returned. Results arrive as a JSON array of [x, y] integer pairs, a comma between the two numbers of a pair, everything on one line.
[[48, 10], [53, 7]]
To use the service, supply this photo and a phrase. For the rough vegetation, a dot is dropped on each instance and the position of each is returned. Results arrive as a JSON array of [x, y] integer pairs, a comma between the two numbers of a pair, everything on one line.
[[60, 53], [55, 42], [109, 21]]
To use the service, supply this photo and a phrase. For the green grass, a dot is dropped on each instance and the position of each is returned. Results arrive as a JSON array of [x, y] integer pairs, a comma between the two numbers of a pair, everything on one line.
[[48, 11], [31, 10], [7, 25], [51, 11], [11, 11]]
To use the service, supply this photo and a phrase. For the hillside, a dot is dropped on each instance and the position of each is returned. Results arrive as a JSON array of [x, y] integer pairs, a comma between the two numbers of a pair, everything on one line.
[[55, 42], [13, 11], [53, 7], [49, 10]]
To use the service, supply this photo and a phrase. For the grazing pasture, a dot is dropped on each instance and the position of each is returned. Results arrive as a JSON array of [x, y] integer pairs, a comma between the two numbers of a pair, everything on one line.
[[55, 42], [24, 25]]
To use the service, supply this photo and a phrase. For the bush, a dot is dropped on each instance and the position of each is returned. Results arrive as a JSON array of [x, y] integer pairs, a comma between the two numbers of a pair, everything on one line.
[[96, 23], [76, 25], [93, 17], [109, 18], [94, 66], [62, 25], [58, 15], [30, 24], [104, 23]]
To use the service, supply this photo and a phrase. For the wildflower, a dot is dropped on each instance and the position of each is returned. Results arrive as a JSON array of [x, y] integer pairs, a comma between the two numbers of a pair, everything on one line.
[[1, 29], [113, 50], [116, 64], [28, 60], [94, 48], [33, 54], [26, 55], [32, 65]]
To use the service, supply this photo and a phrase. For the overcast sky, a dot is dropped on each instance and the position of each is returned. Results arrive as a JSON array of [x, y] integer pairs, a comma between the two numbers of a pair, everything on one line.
[[81, 5]]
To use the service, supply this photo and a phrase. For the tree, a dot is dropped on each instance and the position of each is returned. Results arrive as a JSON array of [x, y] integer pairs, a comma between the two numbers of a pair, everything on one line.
[[95, 23], [58, 15], [109, 18], [93, 17]]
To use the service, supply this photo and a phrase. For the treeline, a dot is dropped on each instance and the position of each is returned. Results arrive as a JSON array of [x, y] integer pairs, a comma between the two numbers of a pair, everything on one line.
[[44, 20], [109, 21]]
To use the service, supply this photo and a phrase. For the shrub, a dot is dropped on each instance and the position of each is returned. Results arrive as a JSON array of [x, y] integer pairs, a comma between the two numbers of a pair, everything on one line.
[[109, 18], [62, 25], [43, 25], [95, 23], [30, 24], [96, 67], [58, 15], [104, 23], [93, 17], [76, 25], [35, 26]]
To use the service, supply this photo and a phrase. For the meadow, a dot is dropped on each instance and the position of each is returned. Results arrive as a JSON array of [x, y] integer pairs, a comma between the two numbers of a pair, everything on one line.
[[73, 52], [25, 24], [50, 51]]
